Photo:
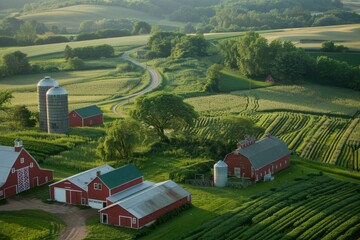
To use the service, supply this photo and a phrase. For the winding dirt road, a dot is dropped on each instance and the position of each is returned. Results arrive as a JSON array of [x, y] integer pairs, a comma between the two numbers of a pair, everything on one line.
[[73, 217], [155, 80]]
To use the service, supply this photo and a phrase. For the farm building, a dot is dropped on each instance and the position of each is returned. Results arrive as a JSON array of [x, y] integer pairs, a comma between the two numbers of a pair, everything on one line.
[[270, 79], [256, 159], [144, 207], [92, 187], [19, 171], [86, 117]]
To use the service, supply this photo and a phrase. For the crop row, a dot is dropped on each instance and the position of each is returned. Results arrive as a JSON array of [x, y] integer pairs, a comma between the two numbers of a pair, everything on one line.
[[312, 208]]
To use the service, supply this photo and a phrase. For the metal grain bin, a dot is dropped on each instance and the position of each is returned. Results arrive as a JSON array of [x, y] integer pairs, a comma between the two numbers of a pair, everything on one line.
[[42, 87], [220, 174], [57, 110]]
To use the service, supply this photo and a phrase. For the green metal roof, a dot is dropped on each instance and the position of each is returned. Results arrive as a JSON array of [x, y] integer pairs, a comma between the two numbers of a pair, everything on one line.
[[120, 176], [265, 151], [89, 111]]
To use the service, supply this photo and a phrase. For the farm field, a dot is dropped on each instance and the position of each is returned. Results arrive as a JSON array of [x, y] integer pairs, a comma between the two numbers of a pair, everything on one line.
[[309, 208], [231, 81], [71, 17], [29, 224]]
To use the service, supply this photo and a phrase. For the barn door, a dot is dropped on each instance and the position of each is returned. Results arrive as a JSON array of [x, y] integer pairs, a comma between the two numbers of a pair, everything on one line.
[[23, 179], [237, 172]]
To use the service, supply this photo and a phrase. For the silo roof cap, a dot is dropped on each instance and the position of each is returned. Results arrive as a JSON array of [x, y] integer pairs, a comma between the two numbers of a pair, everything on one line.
[[48, 82], [57, 90], [220, 163]]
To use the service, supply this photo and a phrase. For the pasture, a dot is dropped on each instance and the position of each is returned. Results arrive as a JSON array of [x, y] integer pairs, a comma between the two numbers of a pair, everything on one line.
[[29, 224]]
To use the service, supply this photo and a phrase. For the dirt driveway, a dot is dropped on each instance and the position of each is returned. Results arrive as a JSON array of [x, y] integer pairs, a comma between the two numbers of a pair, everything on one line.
[[73, 217]]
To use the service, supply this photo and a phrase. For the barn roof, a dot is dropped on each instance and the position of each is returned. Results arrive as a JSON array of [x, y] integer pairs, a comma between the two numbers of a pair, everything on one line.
[[152, 199], [89, 111], [84, 178], [130, 191], [120, 176], [8, 157], [264, 151]]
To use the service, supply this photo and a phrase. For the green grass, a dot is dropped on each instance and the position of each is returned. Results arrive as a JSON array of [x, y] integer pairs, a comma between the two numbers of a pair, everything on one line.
[[29, 224], [350, 58], [232, 81]]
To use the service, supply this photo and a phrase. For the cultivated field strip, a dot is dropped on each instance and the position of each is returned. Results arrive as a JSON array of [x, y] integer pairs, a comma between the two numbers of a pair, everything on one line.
[[316, 207], [320, 138]]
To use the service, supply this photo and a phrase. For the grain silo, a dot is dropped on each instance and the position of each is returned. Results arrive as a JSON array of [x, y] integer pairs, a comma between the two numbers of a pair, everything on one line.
[[57, 110], [220, 174], [42, 87]]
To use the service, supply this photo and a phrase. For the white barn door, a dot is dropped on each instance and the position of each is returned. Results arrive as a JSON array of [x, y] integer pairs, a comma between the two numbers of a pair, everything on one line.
[[23, 179], [60, 195]]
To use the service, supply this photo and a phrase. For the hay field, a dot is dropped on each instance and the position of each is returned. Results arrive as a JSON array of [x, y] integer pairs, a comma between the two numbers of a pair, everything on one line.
[[347, 35], [306, 98]]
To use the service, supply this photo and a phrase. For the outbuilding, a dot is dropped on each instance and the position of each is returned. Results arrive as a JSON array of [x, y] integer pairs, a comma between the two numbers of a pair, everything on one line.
[[255, 159], [94, 186], [19, 171], [86, 117], [144, 207]]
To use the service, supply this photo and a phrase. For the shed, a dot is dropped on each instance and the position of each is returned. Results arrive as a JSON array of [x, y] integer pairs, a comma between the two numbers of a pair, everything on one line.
[[144, 207], [19, 171], [254, 159], [86, 117], [270, 79]]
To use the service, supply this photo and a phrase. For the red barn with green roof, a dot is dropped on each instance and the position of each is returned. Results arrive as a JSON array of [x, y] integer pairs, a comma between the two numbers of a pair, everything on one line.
[[105, 185], [86, 117]]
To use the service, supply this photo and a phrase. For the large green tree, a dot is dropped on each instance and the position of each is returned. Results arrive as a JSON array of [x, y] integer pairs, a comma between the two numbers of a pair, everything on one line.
[[213, 75], [15, 63], [121, 138], [26, 34], [163, 111]]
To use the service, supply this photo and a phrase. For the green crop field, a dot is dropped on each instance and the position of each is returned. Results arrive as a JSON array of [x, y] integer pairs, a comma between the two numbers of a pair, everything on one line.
[[309, 208], [71, 17], [29, 224], [231, 81]]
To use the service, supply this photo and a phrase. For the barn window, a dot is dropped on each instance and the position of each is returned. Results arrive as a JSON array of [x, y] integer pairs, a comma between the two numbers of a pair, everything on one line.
[[280, 164], [31, 165], [74, 114], [99, 186], [95, 186], [134, 220], [1, 193], [46, 179], [13, 170], [285, 161], [22, 160]]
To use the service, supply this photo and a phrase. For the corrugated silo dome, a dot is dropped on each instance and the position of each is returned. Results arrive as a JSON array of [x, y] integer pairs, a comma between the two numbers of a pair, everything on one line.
[[57, 110], [220, 174], [42, 87]]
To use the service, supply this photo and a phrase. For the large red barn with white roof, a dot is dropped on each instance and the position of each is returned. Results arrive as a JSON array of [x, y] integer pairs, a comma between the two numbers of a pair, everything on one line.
[[19, 171]]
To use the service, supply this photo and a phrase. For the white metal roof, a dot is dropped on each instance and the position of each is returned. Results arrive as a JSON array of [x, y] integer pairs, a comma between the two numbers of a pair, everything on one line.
[[8, 157], [152, 199], [84, 178], [130, 191], [47, 82], [57, 90]]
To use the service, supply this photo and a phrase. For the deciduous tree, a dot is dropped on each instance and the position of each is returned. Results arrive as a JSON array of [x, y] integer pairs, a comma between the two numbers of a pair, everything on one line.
[[163, 111]]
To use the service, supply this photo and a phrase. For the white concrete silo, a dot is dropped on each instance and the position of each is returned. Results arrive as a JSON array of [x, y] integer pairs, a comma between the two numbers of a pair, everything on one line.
[[220, 174], [42, 87], [57, 110]]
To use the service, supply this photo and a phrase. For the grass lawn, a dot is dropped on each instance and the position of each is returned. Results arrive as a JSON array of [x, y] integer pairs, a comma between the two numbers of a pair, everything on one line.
[[29, 224]]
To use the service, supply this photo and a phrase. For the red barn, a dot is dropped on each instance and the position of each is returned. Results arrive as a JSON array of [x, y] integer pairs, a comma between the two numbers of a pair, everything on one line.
[[105, 185], [144, 207], [74, 189], [255, 159], [19, 171], [94, 186], [86, 117]]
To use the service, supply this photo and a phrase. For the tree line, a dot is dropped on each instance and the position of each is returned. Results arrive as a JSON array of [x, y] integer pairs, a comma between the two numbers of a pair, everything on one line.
[[16, 32], [255, 57]]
